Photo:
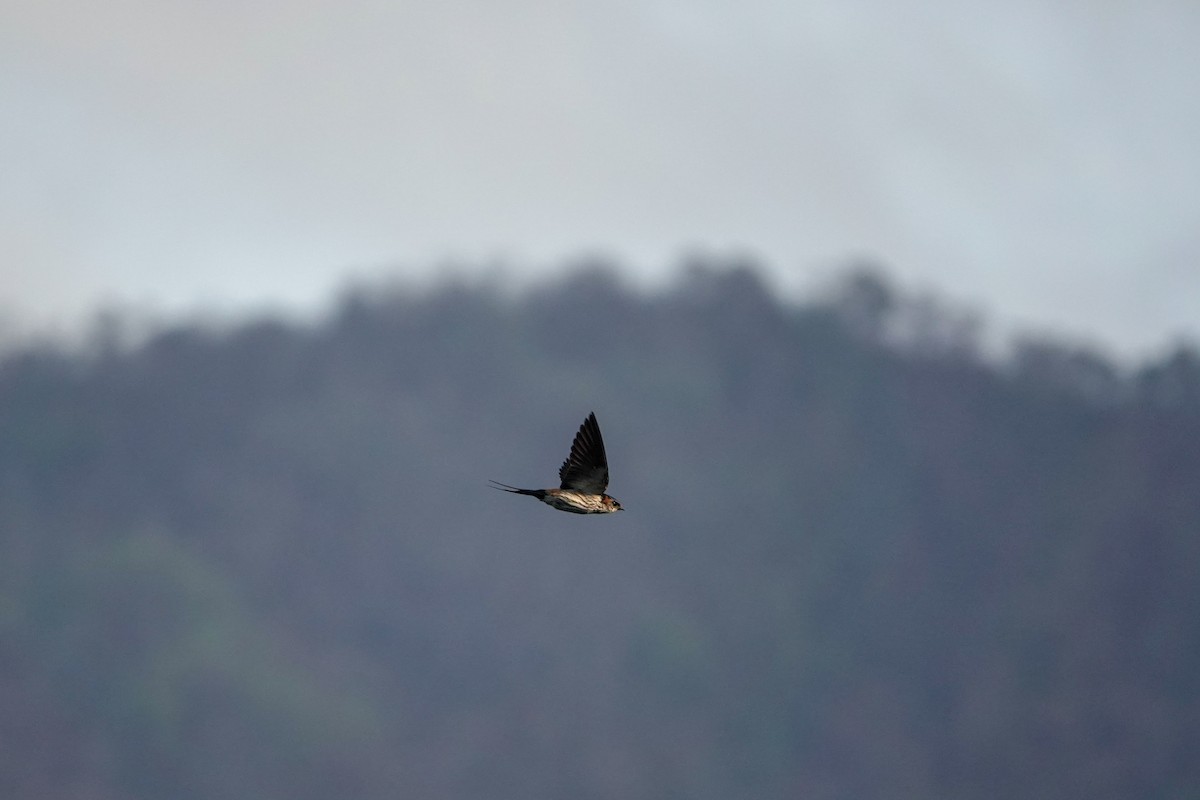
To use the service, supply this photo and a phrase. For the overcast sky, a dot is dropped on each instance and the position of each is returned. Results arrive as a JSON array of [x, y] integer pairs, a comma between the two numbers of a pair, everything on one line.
[[1036, 159]]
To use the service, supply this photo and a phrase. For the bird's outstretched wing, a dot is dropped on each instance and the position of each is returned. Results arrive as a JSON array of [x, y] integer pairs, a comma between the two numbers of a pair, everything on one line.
[[586, 469]]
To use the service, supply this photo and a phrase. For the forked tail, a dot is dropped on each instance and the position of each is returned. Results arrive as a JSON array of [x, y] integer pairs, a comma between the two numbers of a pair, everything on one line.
[[504, 487]]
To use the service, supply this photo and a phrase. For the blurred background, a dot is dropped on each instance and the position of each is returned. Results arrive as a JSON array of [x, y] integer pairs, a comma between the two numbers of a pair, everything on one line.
[[887, 313]]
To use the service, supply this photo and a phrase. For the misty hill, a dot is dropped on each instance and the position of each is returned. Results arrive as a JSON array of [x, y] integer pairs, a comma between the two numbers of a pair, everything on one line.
[[857, 560]]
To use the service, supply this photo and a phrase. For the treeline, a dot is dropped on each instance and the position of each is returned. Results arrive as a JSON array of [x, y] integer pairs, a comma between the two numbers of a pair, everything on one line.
[[858, 559]]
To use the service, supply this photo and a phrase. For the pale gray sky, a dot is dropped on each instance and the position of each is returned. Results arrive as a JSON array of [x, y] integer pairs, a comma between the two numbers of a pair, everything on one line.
[[1038, 159]]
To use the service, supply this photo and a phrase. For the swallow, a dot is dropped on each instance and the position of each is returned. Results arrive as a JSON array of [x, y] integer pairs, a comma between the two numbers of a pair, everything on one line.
[[584, 476]]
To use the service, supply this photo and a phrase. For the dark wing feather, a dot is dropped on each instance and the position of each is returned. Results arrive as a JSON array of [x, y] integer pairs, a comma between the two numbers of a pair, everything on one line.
[[586, 469]]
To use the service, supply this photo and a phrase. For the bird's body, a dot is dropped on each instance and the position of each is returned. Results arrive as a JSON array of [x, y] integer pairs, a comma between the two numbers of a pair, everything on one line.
[[584, 477], [568, 499]]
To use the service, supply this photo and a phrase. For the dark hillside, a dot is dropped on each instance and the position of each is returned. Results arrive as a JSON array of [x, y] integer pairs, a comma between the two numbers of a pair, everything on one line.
[[857, 560]]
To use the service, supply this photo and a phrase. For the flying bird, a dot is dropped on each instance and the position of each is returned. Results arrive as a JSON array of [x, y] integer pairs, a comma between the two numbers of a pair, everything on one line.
[[584, 476]]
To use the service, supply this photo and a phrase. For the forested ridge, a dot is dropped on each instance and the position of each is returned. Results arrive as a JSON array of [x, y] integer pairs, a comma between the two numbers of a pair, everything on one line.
[[857, 559]]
